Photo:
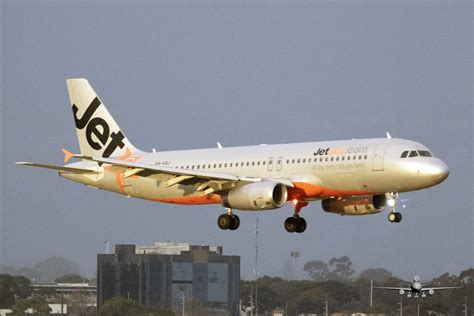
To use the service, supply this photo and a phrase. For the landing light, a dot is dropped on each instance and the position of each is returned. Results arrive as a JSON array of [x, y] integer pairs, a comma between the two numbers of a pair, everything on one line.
[[295, 201]]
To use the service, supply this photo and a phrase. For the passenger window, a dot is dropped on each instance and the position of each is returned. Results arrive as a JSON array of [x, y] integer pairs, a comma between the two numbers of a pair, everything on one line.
[[231, 164], [298, 160], [220, 165], [304, 159], [253, 163], [365, 157], [413, 153], [288, 161], [258, 163], [292, 161], [263, 162], [248, 163], [315, 159], [404, 154], [320, 159], [332, 158], [326, 159]]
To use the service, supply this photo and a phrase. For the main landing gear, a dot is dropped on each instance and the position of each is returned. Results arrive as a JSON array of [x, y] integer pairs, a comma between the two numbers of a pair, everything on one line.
[[228, 221], [393, 216], [296, 224]]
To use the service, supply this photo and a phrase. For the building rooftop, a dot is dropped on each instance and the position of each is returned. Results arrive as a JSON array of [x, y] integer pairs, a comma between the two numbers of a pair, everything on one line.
[[171, 248]]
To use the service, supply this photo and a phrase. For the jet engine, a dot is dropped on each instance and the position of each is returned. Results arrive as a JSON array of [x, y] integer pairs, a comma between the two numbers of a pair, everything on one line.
[[431, 291], [355, 205], [401, 291], [265, 195]]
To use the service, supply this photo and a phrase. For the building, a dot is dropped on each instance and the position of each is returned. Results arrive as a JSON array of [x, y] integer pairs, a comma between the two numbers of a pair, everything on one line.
[[165, 274]]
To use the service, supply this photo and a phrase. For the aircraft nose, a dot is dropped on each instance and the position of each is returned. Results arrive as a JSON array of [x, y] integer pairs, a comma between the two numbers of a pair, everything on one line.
[[437, 170]]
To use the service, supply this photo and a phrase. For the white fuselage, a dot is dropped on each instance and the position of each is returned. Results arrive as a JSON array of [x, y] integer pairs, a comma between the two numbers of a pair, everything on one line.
[[318, 170]]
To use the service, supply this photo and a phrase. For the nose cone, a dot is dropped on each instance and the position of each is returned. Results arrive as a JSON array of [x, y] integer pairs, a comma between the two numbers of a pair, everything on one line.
[[441, 172], [437, 170]]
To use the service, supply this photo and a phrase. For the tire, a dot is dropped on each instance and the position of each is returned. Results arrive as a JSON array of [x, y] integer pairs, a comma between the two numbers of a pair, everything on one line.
[[235, 223], [224, 221], [291, 224], [398, 217], [300, 225], [392, 217]]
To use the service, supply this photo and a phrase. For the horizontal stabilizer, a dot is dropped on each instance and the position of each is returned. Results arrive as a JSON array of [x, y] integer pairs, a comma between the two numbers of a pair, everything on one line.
[[59, 168]]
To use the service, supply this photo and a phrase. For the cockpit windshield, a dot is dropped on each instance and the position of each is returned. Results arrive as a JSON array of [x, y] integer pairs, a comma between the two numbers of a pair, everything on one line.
[[424, 153], [415, 153]]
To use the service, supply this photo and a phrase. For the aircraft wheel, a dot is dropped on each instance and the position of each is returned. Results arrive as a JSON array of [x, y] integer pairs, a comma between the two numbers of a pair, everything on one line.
[[300, 225], [391, 217], [224, 221], [398, 217], [291, 224], [235, 223]]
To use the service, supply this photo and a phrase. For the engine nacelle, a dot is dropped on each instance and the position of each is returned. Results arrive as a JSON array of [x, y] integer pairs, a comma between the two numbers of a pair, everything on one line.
[[265, 195], [355, 205], [431, 292], [401, 291]]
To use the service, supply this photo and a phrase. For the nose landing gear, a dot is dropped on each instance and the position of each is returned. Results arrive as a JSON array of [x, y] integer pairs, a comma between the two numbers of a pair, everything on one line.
[[228, 220], [296, 224], [393, 216]]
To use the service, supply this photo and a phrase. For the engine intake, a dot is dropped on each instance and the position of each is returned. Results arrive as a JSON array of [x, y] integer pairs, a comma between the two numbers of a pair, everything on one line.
[[356, 205], [256, 196]]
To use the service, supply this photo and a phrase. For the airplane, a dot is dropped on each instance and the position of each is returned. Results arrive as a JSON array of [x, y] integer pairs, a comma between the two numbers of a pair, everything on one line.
[[350, 177], [416, 288]]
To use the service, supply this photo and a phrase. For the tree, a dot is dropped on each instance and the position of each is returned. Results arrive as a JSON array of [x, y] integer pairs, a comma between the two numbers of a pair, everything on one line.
[[119, 306], [12, 287], [311, 301], [341, 292], [467, 276], [37, 304], [53, 267], [71, 278], [376, 274], [342, 267], [317, 270]]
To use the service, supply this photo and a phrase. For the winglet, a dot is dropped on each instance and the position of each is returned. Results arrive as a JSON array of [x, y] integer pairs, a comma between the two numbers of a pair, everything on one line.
[[67, 155], [219, 145], [389, 136]]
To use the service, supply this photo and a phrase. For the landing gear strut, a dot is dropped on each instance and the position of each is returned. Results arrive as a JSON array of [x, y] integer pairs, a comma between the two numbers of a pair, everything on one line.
[[393, 216], [228, 220], [296, 224]]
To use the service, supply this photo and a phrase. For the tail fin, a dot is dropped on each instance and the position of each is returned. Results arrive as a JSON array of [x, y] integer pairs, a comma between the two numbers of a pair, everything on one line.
[[97, 132]]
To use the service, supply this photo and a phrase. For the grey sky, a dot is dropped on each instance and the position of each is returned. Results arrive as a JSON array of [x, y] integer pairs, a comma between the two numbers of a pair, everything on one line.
[[185, 75]]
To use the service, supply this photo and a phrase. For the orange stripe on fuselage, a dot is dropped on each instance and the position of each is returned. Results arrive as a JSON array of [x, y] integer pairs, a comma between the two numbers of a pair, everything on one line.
[[206, 199], [304, 190]]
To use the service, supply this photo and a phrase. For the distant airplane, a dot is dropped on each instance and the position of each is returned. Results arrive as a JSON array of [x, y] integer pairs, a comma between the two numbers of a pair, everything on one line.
[[351, 177], [416, 288]]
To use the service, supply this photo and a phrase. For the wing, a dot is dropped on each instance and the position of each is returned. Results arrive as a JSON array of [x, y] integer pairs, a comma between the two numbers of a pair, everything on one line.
[[393, 288], [440, 288], [212, 181], [59, 168]]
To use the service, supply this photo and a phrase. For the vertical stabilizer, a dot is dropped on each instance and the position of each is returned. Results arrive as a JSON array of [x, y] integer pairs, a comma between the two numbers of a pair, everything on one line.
[[97, 132]]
